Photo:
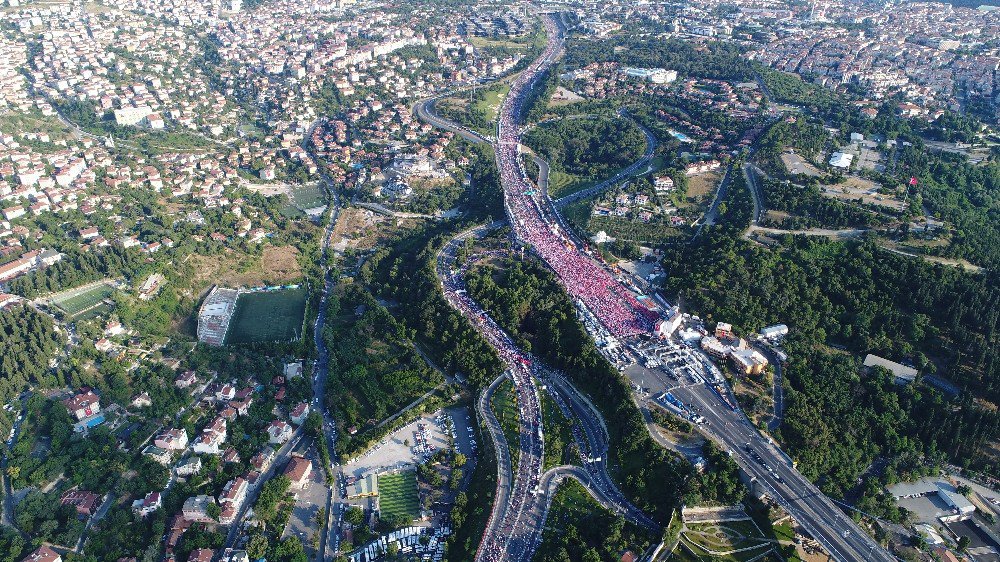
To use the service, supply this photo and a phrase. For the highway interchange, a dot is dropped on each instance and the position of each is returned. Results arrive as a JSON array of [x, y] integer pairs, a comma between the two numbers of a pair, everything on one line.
[[514, 535]]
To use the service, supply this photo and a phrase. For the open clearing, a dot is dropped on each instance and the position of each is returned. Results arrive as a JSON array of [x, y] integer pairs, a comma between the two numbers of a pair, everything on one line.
[[397, 496], [734, 541], [74, 301], [277, 265], [854, 188], [700, 190], [795, 164], [268, 316]]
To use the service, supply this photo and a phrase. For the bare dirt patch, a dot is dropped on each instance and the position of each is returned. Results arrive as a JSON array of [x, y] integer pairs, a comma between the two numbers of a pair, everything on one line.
[[854, 188], [795, 164], [701, 188], [277, 265], [282, 262]]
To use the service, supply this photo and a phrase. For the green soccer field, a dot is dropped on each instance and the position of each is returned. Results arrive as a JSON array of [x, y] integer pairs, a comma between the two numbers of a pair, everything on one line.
[[75, 301], [397, 496], [266, 317]]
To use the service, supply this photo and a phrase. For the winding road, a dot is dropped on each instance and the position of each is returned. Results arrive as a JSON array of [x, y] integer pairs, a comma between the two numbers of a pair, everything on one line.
[[509, 536]]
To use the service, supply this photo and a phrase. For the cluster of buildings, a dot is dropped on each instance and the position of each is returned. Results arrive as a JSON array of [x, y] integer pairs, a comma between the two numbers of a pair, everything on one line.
[[725, 345], [932, 53], [925, 51], [638, 206], [147, 65], [129, 65], [173, 447], [741, 103], [494, 23]]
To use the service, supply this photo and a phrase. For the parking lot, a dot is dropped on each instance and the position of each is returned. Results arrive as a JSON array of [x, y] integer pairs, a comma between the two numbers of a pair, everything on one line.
[[415, 442], [308, 502]]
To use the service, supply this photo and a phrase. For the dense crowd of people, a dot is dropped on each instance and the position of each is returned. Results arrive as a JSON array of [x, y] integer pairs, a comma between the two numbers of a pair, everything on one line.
[[504, 543], [584, 278], [509, 535]]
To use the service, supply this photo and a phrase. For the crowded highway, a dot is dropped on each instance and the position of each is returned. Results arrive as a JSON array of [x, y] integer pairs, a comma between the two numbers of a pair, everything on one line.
[[619, 315]]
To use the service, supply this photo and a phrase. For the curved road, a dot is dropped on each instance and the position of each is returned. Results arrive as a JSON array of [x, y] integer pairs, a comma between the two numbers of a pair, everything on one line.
[[841, 537]]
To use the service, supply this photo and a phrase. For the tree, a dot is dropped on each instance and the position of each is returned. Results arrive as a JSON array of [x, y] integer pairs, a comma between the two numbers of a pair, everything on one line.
[[963, 543], [355, 516], [257, 547], [460, 460], [213, 510]]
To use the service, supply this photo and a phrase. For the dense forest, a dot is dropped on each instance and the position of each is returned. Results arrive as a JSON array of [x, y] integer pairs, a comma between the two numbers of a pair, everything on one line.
[[374, 371], [965, 195], [858, 298], [28, 340], [77, 269], [591, 148]]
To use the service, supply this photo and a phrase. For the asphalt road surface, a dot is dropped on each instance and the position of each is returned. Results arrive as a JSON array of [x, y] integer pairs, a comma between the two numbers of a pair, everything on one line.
[[815, 512]]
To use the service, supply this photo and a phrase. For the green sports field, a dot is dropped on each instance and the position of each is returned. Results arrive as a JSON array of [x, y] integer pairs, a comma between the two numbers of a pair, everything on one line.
[[302, 198], [75, 301], [266, 317], [397, 496]]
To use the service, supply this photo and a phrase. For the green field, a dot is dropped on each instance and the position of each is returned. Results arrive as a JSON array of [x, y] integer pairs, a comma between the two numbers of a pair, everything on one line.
[[504, 404], [397, 496], [303, 197], [266, 317], [75, 301]]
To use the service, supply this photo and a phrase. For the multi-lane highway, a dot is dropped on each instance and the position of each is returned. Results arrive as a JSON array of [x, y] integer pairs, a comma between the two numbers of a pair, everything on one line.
[[508, 535], [770, 468]]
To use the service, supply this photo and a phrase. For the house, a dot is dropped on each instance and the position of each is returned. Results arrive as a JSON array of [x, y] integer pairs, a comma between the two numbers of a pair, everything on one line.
[[663, 183], [155, 121], [748, 361], [211, 439], [279, 432], [299, 413], [208, 443], [230, 456], [232, 497], [242, 406], [225, 393], [262, 459], [142, 401], [185, 379], [195, 509], [43, 554], [86, 503], [298, 470], [190, 466], [84, 404], [147, 505], [201, 555], [175, 439], [113, 328]]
